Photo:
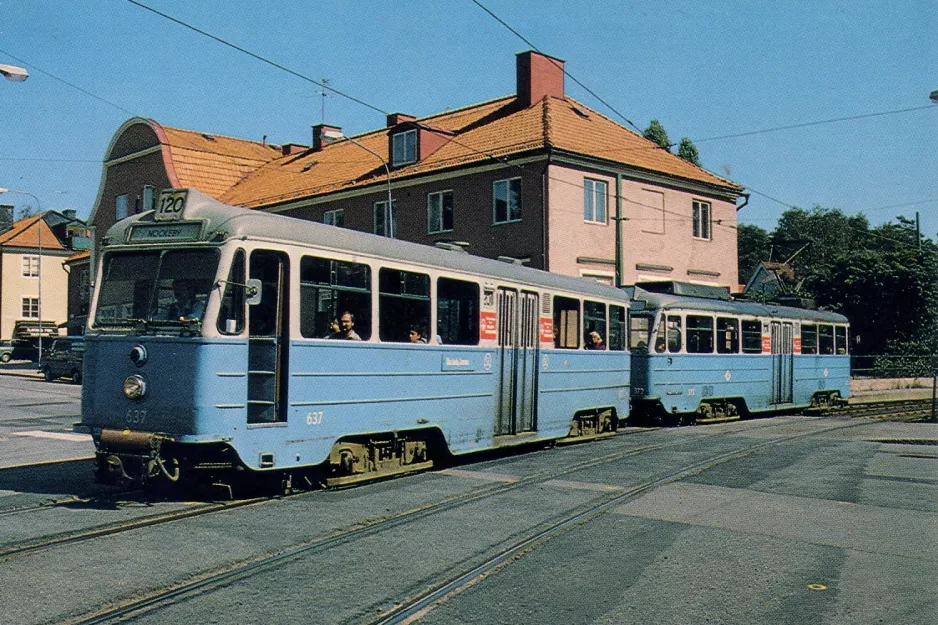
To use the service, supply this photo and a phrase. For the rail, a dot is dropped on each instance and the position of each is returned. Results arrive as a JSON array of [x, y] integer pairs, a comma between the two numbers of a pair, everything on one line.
[[872, 374]]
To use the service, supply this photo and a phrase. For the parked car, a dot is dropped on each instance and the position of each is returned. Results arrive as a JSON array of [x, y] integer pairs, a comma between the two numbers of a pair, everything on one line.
[[64, 359], [6, 351]]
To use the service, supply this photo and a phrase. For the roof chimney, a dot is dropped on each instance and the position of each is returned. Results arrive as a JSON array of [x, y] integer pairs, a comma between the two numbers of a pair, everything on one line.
[[70, 213], [324, 134], [399, 118], [538, 75], [291, 148]]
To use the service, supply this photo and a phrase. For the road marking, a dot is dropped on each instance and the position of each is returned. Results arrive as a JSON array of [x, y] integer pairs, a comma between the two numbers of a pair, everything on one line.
[[817, 586], [479, 475], [59, 436]]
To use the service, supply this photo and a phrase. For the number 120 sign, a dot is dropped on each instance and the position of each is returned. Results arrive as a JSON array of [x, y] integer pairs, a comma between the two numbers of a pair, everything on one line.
[[171, 204]]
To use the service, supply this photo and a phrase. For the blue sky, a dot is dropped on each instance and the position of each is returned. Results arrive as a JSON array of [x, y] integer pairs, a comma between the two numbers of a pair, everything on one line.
[[704, 69]]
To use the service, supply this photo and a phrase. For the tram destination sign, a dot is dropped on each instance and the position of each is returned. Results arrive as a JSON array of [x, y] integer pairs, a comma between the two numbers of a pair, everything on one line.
[[165, 232]]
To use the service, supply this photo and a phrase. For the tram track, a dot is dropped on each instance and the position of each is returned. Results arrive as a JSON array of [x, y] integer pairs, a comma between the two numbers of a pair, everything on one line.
[[903, 410], [410, 610], [21, 549], [67, 538], [144, 603]]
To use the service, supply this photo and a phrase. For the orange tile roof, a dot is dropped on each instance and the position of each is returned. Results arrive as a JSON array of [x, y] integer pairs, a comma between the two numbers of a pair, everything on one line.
[[479, 133], [214, 163], [82, 255], [26, 233]]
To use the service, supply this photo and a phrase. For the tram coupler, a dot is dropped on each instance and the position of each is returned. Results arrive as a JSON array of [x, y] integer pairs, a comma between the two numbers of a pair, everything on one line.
[[125, 456]]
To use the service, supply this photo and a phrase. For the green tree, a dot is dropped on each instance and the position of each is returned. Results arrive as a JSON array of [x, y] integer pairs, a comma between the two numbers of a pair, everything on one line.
[[688, 151], [656, 132], [882, 279], [755, 246]]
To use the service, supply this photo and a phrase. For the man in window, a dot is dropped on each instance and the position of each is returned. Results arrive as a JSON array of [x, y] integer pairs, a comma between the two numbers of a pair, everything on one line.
[[186, 306], [346, 328]]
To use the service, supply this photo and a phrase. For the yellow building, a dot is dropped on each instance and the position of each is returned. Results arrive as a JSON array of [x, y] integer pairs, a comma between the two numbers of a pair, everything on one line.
[[32, 277]]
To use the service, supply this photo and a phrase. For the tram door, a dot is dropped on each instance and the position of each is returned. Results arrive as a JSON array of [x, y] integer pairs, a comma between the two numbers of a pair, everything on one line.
[[782, 362], [268, 339], [518, 344]]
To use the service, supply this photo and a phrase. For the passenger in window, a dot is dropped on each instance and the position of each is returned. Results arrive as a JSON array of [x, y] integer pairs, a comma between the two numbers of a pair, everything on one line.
[[417, 334], [594, 341], [346, 328], [186, 305], [334, 328]]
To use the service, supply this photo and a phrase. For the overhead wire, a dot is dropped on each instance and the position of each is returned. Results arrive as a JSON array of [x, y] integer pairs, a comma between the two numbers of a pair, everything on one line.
[[72, 85], [318, 83], [497, 158]]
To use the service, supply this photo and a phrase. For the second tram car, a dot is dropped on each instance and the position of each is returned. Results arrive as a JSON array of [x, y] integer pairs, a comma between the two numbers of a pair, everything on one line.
[[223, 339], [699, 357]]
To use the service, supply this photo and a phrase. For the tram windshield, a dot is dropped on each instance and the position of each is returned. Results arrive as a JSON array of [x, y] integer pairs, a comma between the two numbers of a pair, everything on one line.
[[168, 288]]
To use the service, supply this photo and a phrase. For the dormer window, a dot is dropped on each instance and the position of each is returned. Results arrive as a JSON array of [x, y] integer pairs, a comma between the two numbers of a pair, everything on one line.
[[404, 148]]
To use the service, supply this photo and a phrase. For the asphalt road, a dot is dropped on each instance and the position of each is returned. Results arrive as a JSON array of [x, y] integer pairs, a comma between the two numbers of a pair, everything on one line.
[[787, 520]]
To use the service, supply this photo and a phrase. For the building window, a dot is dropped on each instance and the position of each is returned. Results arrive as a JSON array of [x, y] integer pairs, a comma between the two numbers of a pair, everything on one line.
[[386, 219], [30, 266], [701, 220], [594, 201], [30, 307], [440, 212], [148, 202], [120, 207], [334, 218], [404, 148], [507, 200]]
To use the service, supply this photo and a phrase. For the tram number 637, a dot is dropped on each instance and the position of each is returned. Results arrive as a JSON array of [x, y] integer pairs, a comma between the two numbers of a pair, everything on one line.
[[135, 416], [314, 418]]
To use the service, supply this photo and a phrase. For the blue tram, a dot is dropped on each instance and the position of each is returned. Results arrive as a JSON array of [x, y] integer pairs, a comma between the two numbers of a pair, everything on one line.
[[225, 339], [699, 357]]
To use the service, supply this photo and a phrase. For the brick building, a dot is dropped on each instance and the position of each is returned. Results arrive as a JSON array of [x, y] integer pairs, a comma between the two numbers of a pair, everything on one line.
[[535, 176]]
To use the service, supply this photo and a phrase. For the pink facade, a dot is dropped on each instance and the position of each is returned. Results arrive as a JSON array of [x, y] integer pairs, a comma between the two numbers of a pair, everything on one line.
[[658, 237]]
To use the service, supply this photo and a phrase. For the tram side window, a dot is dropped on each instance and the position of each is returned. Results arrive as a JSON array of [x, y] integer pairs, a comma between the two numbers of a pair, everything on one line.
[[594, 320], [808, 338], [727, 335], [457, 312], [328, 289], [841, 334], [825, 339], [231, 313], [617, 328], [669, 336], [640, 333], [566, 323], [699, 334], [752, 336], [404, 302]]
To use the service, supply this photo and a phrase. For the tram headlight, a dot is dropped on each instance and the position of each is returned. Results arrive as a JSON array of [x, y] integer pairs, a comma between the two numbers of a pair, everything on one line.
[[135, 387], [138, 355]]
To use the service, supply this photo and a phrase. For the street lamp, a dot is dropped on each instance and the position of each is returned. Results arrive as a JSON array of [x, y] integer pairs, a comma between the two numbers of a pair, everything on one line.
[[38, 268], [934, 96], [336, 135], [14, 73]]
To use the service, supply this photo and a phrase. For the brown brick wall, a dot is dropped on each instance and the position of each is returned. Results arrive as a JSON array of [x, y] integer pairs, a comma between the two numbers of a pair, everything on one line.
[[472, 214]]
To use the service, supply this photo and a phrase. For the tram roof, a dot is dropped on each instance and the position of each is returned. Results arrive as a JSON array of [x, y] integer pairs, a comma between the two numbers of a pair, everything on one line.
[[237, 222], [668, 301]]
